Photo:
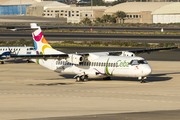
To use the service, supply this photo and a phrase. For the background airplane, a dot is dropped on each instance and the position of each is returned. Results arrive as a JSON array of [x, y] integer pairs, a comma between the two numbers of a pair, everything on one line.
[[5, 51], [89, 65]]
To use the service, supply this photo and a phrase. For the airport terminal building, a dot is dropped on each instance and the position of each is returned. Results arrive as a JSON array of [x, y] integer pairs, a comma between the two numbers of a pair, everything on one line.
[[60, 10], [136, 12], [15, 7]]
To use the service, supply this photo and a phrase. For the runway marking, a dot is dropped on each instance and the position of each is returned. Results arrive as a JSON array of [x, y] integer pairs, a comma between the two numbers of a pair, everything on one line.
[[83, 91], [119, 92], [40, 95]]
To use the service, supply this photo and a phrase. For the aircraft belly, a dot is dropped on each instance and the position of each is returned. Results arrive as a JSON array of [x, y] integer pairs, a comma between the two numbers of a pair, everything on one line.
[[46, 63]]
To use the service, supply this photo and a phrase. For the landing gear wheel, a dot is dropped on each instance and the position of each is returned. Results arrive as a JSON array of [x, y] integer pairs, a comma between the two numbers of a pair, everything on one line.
[[2, 62], [80, 79], [28, 61], [143, 81]]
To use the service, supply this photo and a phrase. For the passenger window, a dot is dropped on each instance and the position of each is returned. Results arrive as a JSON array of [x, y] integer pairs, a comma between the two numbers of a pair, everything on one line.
[[101, 64], [114, 65], [109, 64]]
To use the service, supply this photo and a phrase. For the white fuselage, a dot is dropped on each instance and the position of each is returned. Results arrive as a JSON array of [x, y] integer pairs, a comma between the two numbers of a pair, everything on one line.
[[20, 50], [101, 66]]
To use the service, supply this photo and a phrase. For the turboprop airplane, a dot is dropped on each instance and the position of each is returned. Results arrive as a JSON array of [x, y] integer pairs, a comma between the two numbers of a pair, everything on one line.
[[5, 51], [89, 65]]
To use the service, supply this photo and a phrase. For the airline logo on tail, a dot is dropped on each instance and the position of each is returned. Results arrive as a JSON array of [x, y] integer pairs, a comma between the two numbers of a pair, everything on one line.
[[40, 42]]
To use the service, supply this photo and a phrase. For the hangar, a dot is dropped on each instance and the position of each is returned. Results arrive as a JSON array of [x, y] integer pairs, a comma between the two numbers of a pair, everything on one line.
[[148, 12], [15, 7], [167, 14]]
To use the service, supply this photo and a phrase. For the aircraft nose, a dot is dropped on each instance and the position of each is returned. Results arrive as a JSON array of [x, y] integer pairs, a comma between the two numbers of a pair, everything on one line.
[[147, 70]]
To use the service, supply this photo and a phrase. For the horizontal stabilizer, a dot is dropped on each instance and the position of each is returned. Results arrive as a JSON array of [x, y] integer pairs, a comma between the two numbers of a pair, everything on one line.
[[43, 28]]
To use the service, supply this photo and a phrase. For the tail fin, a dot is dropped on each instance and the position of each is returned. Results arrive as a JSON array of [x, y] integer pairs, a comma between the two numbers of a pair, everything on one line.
[[42, 47]]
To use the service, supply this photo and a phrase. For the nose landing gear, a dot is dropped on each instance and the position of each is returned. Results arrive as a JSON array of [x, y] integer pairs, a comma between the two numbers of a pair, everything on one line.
[[142, 79]]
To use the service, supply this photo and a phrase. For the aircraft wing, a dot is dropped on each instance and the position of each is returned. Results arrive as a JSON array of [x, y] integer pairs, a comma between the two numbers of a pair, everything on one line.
[[65, 56], [45, 57], [142, 50]]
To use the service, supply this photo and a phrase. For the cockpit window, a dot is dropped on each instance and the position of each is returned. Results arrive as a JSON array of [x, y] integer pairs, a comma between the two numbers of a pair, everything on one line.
[[137, 62], [142, 62], [134, 62]]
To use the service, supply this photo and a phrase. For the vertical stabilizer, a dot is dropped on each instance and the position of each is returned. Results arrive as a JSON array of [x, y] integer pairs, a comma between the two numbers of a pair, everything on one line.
[[42, 47]]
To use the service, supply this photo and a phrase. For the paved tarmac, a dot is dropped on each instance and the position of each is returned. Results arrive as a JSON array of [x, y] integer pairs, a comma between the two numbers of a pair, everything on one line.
[[60, 36], [32, 92], [29, 19], [100, 28]]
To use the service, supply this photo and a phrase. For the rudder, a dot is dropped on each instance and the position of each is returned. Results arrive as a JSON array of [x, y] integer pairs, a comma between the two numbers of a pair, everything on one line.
[[42, 47]]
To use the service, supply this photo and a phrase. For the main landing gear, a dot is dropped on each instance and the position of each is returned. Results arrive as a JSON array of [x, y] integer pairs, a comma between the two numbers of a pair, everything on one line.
[[2, 62], [28, 61], [81, 78], [143, 79]]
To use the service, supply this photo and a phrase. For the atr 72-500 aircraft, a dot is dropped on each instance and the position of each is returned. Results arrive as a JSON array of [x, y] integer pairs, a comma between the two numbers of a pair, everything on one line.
[[5, 51], [89, 65]]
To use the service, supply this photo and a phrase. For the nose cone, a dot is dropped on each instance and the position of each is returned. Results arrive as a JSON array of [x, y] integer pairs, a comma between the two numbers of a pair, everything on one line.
[[147, 70]]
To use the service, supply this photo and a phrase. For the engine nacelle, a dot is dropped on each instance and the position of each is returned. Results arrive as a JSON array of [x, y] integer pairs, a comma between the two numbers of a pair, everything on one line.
[[126, 53], [75, 59]]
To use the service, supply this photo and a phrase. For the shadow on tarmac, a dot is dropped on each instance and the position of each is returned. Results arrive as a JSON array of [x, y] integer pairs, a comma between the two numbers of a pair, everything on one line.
[[150, 78], [49, 84], [151, 115]]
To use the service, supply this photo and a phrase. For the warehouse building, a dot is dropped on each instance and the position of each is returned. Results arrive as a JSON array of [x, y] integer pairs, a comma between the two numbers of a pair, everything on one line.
[[167, 14], [148, 12], [76, 14], [46, 9], [60, 10], [15, 7]]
